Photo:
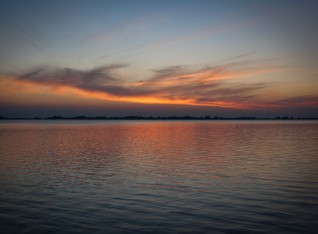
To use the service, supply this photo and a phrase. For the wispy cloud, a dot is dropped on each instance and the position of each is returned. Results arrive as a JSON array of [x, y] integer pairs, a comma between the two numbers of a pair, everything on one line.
[[221, 85], [297, 101], [203, 33]]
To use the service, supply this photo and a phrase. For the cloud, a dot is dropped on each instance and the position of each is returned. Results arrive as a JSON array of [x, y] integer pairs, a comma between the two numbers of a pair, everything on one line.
[[66, 76], [298, 101], [222, 85]]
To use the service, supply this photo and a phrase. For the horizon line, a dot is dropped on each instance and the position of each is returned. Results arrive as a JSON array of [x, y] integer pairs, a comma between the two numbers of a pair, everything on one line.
[[173, 117]]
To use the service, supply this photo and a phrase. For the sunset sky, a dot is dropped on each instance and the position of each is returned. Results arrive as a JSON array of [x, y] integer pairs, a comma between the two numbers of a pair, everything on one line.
[[117, 58]]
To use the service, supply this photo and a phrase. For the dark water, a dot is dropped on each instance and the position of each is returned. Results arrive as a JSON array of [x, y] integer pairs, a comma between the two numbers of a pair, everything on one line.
[[159, 177]]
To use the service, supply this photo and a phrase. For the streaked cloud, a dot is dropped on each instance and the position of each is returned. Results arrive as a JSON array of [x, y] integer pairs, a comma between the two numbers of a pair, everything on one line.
[[223, 85]]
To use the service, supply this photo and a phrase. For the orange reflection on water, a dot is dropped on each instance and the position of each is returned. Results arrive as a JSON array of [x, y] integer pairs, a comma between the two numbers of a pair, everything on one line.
[[150, 154]]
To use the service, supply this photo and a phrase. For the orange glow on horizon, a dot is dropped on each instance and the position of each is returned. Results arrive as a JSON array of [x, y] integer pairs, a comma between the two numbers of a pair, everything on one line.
[[213, 88], [15, 87]]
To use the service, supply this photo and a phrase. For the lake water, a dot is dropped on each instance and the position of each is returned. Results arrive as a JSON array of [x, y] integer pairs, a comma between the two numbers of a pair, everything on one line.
[[159, 177]]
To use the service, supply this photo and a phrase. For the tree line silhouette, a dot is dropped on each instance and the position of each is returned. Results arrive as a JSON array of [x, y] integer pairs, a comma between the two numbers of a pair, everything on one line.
[[137, 117]]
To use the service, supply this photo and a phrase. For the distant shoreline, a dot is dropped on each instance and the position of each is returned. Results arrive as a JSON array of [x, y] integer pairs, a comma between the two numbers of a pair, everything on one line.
[[207, 118]]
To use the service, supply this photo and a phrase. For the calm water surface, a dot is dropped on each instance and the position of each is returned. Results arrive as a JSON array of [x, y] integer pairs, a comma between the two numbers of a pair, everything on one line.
[[158, 177]]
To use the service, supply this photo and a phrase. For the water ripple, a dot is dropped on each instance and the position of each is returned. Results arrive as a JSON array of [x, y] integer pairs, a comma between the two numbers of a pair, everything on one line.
[[159, 177]]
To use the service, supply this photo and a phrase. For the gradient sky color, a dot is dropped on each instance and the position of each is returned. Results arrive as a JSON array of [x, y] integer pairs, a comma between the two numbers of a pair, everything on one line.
[[114, 58]]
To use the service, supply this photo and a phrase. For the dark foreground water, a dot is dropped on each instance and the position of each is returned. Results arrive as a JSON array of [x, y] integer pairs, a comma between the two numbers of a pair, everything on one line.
[[158, 177]]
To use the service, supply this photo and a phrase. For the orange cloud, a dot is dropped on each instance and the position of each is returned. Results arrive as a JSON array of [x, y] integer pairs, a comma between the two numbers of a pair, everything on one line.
[[212, 86]]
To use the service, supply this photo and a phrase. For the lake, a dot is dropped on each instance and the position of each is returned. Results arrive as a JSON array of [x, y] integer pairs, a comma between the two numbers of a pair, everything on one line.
[[158, 176]]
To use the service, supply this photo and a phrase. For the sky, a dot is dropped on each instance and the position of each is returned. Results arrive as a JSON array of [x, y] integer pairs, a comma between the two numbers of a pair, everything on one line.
[[159, 58]]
